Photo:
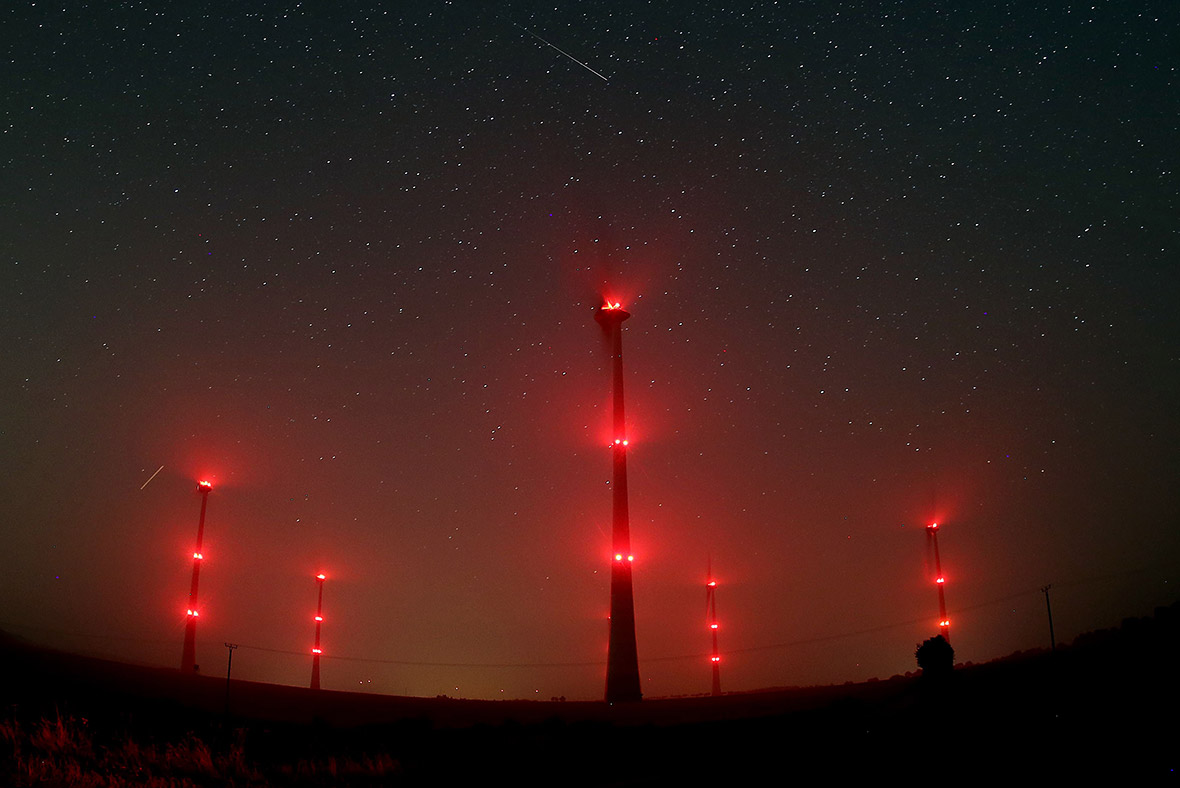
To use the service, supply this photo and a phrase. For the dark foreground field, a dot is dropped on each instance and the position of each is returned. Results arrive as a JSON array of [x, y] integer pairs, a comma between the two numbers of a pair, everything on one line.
[[1104, 707]]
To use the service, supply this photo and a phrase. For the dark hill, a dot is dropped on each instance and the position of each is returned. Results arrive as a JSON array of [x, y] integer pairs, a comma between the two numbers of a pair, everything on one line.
[[1105, 706]]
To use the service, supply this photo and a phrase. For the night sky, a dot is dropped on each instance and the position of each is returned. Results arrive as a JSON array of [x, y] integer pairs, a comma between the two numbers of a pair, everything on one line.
[[888, 263]]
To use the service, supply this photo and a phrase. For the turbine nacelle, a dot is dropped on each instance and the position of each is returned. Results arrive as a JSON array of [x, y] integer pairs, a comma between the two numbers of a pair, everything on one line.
[[611, 313]]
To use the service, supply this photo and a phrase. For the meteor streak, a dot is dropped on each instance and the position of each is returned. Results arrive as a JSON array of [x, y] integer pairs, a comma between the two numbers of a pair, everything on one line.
[[562, 51], [145, 484]]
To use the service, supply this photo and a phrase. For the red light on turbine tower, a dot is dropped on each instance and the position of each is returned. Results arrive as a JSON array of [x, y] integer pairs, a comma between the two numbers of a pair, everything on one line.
[[204, 486]]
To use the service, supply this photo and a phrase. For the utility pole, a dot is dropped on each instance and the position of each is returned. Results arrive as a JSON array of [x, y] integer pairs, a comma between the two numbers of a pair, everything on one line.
[[1049, 608], [229, 669]]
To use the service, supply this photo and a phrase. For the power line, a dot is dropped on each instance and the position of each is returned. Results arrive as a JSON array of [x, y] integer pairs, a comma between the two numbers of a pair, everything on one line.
[[594, 663]]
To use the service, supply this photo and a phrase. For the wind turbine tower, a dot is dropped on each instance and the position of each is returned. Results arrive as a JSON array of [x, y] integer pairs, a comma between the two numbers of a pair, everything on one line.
[[319, 620], [944, 623], [188, 659], [711, 620], [622, 662]]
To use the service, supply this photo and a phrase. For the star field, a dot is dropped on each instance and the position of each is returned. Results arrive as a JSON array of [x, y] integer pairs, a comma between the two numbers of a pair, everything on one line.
[[886, 263]]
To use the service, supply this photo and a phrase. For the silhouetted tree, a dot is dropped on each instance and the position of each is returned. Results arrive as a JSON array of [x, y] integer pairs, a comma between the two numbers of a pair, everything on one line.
[[935, 657]]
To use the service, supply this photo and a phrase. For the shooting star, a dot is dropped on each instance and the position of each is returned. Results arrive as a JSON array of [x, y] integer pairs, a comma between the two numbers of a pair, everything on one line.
[[145, 484], [562, 51]]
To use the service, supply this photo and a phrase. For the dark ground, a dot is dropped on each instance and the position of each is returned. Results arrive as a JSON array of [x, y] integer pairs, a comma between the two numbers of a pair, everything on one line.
[[1105, 706]]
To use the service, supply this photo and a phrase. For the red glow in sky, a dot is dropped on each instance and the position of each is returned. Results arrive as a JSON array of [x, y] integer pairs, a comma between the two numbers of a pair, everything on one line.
[[849, 323]]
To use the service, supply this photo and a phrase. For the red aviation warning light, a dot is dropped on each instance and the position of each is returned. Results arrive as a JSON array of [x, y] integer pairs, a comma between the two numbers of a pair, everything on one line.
[[204, 486]]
